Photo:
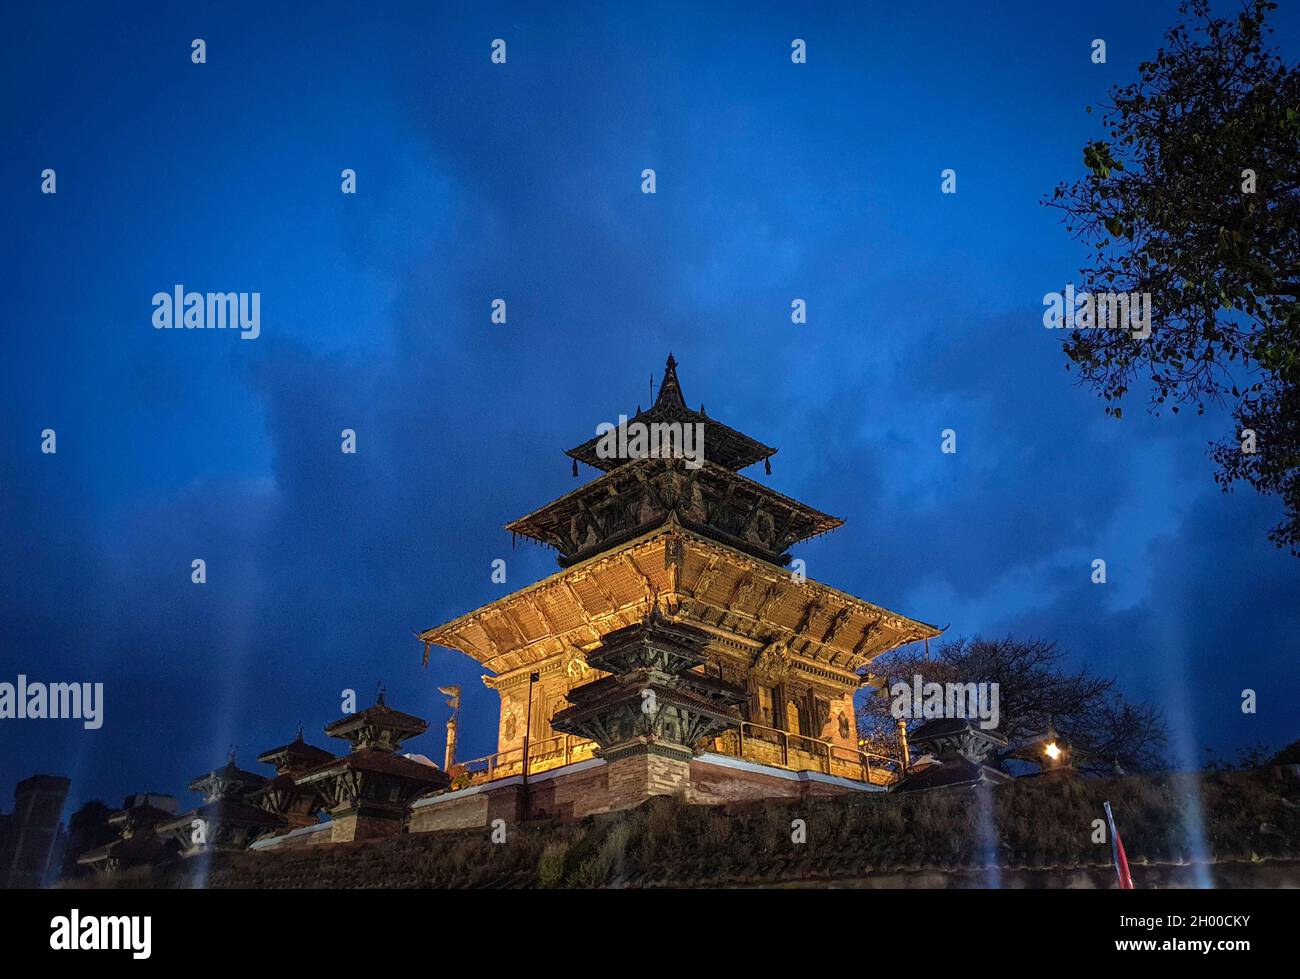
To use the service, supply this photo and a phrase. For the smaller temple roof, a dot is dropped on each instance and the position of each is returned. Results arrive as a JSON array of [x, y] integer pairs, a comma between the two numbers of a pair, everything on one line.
[[378, 726], [376, 761], [951, 774], [601, 693], [961, 747], [942, 728], [722, 445], [229, 781], [295, 756], [671, 647], [140, 815], [232, 811], [130, 850], [154, 800]]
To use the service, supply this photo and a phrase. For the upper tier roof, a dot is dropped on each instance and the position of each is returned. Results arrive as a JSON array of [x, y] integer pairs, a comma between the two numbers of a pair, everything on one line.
[[723, 445], [632, 499]]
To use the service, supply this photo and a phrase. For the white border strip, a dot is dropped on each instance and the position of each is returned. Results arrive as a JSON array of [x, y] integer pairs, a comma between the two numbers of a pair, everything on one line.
[[294, 834], [739, 764]]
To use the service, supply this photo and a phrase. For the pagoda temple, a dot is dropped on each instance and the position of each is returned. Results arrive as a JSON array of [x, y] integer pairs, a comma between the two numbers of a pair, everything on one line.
[[138, 842], [676, 588], [367, 790], [228, 818], [298, 805]]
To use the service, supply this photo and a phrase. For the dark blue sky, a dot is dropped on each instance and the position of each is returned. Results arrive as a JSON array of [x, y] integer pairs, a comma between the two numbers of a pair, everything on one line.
[[522, 181]]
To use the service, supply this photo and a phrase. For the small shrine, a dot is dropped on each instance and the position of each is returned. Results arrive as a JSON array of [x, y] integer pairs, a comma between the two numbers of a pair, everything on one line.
[[367, 791], [298, 805], [952, 753], [228, 818], [652, 703], [138, 842]]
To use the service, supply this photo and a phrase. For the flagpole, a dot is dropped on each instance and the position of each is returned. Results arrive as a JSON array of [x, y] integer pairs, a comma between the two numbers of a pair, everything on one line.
[[1117, 852]]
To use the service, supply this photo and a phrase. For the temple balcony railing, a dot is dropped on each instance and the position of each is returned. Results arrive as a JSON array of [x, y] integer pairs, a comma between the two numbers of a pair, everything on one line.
[[751, 742], [544, 754], [802, 753]]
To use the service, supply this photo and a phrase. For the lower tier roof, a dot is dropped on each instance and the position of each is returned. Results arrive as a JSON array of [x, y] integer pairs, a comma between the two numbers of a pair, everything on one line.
[[693, 579]]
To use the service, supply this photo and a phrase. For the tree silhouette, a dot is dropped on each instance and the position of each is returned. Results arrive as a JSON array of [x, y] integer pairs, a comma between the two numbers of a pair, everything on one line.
[[1194, 199]]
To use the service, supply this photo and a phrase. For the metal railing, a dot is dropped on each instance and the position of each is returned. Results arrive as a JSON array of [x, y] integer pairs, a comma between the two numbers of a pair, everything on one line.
[[543, 755], [801, 752], [753, 742]]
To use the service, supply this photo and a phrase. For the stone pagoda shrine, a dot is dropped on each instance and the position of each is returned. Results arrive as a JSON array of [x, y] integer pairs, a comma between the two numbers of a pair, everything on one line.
[[367, 791]]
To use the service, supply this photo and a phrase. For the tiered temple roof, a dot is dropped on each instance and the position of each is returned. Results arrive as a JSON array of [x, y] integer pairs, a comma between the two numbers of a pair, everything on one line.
[[723, 445], [637, 494], [670, 532], [708, 541], [640, 494], [378, 726], [137, 841], [227, 818], [297, 804], [372, 780]]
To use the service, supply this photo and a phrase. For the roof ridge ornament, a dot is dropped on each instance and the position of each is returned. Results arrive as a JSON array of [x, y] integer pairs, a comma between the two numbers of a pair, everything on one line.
[[668, 412], [670, 389]]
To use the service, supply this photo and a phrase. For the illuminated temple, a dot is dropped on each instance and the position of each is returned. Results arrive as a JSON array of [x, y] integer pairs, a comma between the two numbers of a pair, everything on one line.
[[677, 651]]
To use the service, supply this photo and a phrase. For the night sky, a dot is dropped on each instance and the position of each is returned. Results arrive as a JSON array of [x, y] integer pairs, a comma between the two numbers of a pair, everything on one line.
[[522, 181]]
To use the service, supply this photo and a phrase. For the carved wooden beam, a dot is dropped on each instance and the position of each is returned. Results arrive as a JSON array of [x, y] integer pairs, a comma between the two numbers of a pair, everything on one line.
[[598, 581], [868, 633], [707, 576], [514, 626], [630, 561], [577, 602], [780, 540], [539, 608], [837, 624], [768, 600], [744, 584]]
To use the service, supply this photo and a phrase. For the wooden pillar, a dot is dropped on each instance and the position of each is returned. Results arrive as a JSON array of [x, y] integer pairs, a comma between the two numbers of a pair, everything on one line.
[[449, 758]]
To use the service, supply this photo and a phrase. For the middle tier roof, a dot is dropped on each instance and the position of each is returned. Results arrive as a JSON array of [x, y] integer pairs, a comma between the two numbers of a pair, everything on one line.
[[639, 496]]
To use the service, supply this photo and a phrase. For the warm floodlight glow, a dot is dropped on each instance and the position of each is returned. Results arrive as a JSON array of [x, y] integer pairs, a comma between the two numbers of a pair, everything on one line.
[[1052, 751]]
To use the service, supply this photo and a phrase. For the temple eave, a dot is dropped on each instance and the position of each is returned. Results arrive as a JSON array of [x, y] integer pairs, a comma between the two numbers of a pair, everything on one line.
[[580, 523], [707, 583]]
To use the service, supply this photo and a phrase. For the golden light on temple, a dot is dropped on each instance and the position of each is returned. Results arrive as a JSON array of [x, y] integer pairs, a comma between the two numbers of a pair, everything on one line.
[[706, 549]]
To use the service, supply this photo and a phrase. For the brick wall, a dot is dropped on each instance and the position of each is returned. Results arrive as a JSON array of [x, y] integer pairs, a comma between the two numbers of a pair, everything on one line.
[[356, 826], [716, 785], [603, 787], [455, 813], [570, 796], [610, 786]]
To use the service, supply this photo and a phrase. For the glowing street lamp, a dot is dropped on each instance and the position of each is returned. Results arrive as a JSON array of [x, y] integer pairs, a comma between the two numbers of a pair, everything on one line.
[[1049, 751]]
